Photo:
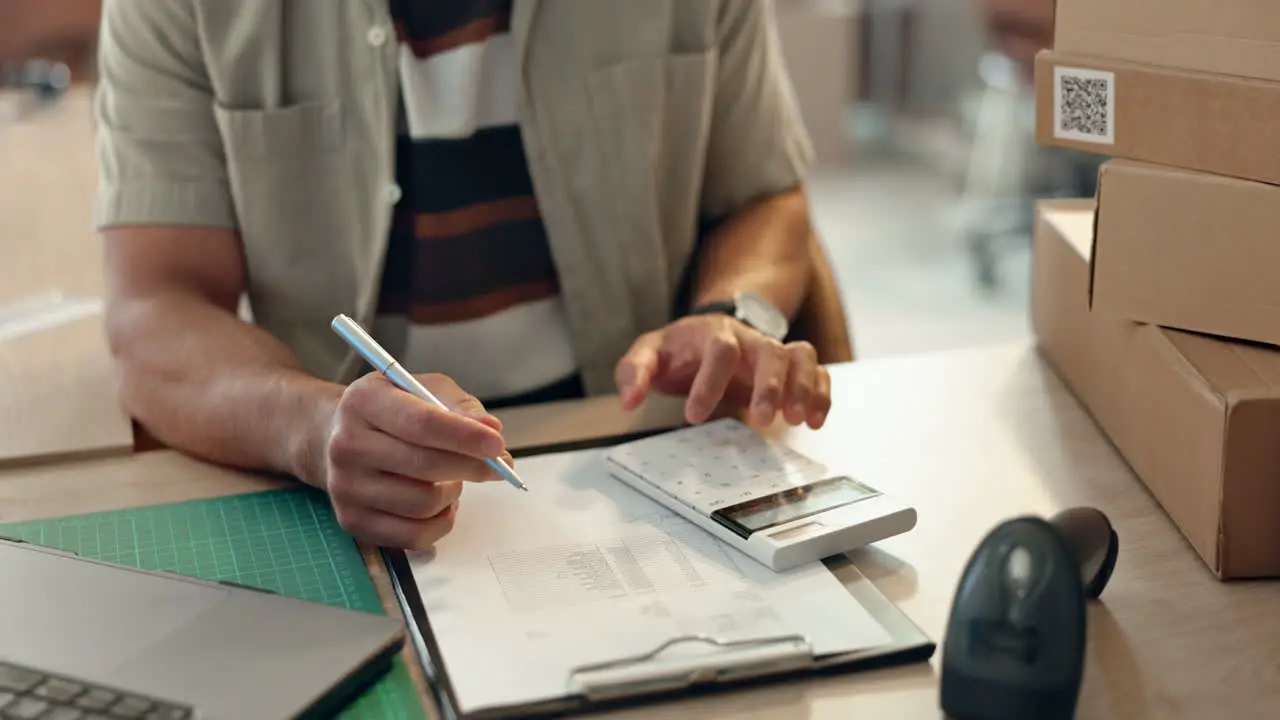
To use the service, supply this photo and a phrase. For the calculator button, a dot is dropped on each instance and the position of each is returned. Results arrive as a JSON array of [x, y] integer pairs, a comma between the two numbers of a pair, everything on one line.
[[131, 707], [18, 679], [96, 699], [27, 708], [58, 690]]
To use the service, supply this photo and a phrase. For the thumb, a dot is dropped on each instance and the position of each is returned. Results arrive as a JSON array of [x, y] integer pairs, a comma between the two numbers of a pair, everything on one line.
[[635, 370]]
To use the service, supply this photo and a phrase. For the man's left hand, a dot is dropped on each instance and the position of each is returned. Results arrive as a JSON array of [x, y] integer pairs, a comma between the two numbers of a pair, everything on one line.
[[719, 362]]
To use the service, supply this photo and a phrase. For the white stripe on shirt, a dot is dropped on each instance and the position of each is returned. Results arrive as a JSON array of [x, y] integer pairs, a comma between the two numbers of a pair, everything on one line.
[[452, 95], [514, 351], [457, 92]]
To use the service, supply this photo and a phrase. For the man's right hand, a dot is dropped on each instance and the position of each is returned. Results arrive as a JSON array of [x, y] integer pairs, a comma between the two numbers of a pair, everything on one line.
[[203, 381], [395, 464]]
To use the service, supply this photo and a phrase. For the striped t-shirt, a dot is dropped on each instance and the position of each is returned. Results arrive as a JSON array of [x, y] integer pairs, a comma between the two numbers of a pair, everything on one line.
[[469, 286]]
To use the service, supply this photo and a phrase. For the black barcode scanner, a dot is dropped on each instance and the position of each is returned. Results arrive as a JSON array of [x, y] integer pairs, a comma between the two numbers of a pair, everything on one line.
[[1015, 642]]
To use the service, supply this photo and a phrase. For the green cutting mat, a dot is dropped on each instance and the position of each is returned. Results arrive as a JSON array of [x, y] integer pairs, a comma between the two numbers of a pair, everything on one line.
[[286, 541]]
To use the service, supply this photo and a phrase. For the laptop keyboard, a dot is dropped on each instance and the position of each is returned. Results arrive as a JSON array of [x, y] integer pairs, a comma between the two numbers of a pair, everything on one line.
[[27, 694]]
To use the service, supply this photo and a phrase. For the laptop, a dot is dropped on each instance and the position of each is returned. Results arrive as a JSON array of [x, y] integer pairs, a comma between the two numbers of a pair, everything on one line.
[[88, 640]]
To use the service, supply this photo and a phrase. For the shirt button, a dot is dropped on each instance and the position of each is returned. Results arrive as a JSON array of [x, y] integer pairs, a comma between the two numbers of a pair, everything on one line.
[[391, 193], [377, 36]]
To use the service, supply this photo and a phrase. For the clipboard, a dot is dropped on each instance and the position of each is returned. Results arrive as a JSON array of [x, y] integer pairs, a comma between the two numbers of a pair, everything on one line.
[[639, 680]]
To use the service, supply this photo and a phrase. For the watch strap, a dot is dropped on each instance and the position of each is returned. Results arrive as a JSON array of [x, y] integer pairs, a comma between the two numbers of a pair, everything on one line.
[[726, 307], [741, 312]]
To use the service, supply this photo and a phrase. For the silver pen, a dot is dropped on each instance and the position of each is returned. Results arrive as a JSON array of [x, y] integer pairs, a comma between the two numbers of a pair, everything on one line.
[[355, 336]]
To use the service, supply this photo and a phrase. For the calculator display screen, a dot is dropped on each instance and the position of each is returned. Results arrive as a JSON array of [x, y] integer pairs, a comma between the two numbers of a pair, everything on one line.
[[792, 504]]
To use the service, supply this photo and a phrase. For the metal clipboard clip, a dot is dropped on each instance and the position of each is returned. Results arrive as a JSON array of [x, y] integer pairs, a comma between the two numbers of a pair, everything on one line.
[[719, 661]]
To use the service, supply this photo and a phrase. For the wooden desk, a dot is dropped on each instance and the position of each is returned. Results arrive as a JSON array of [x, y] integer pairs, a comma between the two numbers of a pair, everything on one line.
[[57, 390], [971, 438]]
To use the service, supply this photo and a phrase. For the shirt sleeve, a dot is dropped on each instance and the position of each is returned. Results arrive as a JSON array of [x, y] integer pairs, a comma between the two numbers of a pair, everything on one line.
[[160, 157], [758, 144]]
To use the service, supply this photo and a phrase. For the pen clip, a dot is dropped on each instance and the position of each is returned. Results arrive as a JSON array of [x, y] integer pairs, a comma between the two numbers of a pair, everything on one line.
[[360, 341]]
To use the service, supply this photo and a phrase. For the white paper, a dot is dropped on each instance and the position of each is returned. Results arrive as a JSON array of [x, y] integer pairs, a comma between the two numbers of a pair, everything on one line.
[[582, 569], [43, 312]]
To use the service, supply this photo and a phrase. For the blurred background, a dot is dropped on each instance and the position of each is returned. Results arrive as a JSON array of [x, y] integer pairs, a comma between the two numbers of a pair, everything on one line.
[[922, 115]]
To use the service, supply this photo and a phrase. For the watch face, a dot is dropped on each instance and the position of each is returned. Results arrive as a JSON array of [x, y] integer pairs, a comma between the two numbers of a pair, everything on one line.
[[762, 315]]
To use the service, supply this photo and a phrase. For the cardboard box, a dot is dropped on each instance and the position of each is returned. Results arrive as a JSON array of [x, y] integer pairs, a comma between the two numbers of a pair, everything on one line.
[[1212, 123], [1197, 418], [1231, 37], [1188, 250]]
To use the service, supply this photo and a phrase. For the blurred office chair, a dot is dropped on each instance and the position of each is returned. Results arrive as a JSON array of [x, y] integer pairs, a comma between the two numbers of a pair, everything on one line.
[[45, 46], [33, 83], [59, 31], [995, 201], [1007, 170], [1018, 29], [823, 320]]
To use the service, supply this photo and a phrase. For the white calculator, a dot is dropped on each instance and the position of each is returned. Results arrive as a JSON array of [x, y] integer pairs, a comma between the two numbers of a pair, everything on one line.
[[771, 502]]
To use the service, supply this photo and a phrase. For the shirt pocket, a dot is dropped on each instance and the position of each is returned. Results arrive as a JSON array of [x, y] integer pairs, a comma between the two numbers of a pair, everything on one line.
[[652, 120], [295, 131], [292, 185], [654, 112]]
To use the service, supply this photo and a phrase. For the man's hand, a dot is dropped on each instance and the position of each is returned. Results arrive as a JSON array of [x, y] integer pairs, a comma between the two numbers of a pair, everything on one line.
[[396, 464], [717, 362]]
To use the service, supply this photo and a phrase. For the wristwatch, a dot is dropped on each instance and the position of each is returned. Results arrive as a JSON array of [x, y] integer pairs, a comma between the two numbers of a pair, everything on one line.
[[752, 310]]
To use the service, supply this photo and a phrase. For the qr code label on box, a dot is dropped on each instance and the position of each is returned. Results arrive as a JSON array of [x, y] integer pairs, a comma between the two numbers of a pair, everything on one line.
[[1084, 105]]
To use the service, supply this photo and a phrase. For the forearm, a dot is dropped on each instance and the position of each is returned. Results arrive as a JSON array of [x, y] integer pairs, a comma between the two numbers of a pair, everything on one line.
[[204, 382], [762, 248]]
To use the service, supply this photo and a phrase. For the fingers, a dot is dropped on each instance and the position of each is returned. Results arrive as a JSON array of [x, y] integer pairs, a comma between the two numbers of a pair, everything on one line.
[[457, 399], [802, 378], [720, 357], [635, 370], [396, 495], [730, 365], [820, 402], [387, 530], [396, 463], [803, 394], [356, 446], [376, 401], [770, 361]]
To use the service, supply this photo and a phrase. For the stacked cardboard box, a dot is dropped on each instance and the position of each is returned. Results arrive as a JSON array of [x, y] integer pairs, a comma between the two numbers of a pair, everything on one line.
[[1158, 304]]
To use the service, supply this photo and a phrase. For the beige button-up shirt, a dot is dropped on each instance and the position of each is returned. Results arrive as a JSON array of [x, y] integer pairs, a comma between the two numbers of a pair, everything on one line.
[[277, 118]]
